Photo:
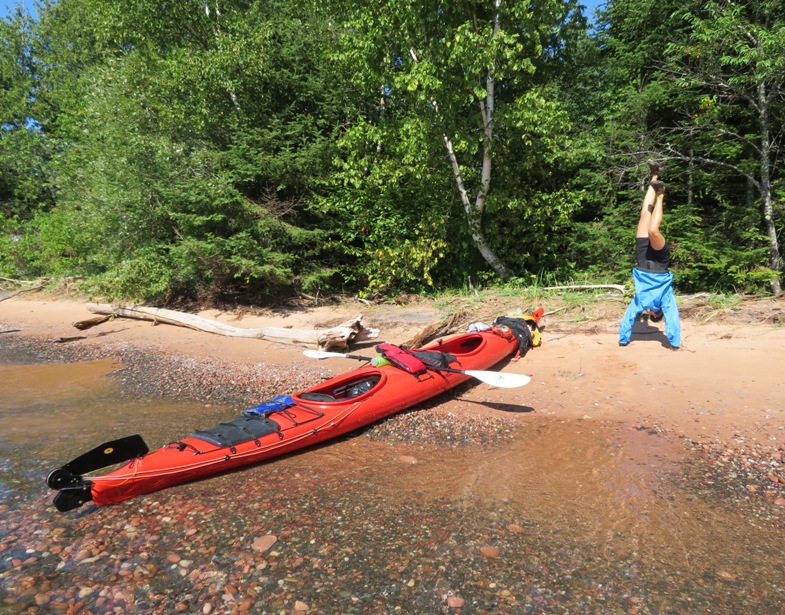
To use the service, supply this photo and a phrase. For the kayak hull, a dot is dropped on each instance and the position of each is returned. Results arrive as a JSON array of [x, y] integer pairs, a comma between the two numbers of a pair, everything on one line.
[[331, 409]]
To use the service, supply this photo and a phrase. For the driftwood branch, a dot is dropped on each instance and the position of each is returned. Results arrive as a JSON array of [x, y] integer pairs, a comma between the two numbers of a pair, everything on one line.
[[27, 286], [335, 338], [433, 332], [619, 287]]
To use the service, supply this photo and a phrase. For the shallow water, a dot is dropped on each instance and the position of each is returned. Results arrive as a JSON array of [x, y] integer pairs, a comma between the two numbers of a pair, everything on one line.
[[583, 516], [613, 486], [53, 409]]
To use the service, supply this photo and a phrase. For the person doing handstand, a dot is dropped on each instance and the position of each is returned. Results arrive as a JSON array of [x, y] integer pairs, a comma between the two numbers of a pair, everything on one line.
[[653, 281]]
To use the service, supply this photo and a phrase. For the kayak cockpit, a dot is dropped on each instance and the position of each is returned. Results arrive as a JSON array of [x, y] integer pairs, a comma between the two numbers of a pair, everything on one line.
[[351, 388], [461, 346]]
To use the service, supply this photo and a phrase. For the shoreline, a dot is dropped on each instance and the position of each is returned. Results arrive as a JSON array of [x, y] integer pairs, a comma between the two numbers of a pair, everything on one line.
[[722, 392], [724, 384], [495, 499]]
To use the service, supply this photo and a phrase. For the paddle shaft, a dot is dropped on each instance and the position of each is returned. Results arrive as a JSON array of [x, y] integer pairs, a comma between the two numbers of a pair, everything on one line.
[[492, 378], [435, 368]]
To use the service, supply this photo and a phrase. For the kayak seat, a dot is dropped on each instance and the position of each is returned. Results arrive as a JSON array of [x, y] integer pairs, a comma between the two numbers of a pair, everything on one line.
[[309, 396], [239, 430], [361, 387]]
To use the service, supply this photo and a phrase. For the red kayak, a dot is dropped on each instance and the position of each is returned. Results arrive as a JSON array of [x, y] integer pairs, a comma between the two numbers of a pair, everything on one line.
[[390, 383]]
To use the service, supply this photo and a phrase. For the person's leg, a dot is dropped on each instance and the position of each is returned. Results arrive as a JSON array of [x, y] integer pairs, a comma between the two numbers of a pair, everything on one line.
[[656, 239], [647, 208]]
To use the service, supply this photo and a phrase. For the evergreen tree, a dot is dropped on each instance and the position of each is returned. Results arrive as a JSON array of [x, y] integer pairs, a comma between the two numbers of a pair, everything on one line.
[[732, 66], [25, 151], [678, 101], [190, 135]]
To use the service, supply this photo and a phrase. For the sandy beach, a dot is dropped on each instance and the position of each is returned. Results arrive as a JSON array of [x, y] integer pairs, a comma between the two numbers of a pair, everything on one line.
[[726, 381], [620, 480]]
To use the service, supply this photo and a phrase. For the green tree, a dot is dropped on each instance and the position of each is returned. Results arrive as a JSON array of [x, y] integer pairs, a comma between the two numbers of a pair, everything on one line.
[[24, 148], [733, 65], [662, 109], [459, 110], [190, 135]]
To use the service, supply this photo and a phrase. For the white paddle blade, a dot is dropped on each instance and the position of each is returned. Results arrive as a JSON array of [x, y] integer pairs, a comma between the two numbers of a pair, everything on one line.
[[500, 379], [321, 354]]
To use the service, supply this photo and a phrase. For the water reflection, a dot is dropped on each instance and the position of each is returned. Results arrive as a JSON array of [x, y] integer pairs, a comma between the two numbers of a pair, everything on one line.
[[610, 491]]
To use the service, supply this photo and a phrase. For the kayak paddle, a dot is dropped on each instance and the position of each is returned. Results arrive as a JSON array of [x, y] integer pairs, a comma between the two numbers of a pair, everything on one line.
[[497, 379]]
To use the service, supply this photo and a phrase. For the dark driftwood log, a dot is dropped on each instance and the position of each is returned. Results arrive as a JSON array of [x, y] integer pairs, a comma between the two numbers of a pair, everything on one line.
[[92, 322], [433, 332], [335, 338]]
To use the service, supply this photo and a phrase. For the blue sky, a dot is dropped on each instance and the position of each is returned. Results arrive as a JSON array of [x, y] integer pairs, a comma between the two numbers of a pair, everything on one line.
[[591, 6], [7, 6]]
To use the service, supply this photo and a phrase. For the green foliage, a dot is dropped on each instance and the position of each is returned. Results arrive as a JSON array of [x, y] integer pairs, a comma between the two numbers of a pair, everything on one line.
[[731, 71], [24, 148], [185, 147], [708, 260], [429, 84], [178, 150], [407, 264]]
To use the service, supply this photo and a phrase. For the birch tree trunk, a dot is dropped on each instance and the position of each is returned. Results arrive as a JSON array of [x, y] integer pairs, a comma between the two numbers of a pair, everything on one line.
[[775, 259], [474, 211]]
